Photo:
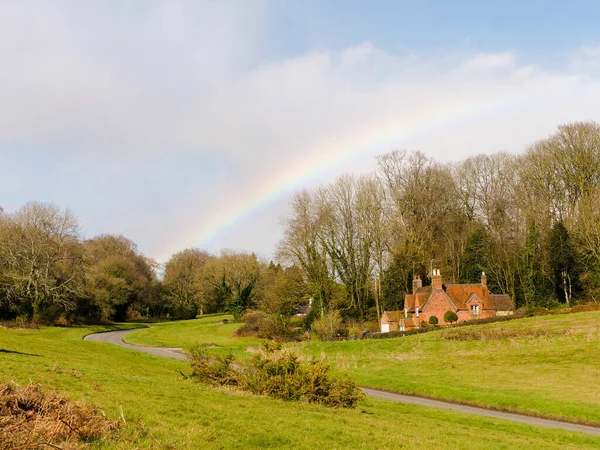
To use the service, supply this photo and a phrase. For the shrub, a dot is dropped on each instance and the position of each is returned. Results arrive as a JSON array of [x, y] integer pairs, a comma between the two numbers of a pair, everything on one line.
[[450, 316], [536, 311], [496, 333], [354, 332], [216, 370], [395, 334], [277, 373], [271, 326], [433, 320], [184, 312], [585, 308], [328, 326], [253, 322]]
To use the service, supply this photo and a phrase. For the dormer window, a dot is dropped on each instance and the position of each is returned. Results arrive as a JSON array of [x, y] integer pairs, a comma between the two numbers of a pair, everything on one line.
[[475, 310]]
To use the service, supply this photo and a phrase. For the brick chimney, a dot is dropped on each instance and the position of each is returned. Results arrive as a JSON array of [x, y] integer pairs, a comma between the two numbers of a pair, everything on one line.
[[417, 283], [483, 279], [436, 280]]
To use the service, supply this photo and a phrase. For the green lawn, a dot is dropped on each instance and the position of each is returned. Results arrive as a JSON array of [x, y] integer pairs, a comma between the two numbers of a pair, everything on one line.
[[547, 366], [210, 331], [164, 410]]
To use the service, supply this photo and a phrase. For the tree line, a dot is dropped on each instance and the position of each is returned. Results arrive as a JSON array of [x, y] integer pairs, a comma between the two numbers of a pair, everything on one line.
[[350, 247], [530, 221], [49, 273]]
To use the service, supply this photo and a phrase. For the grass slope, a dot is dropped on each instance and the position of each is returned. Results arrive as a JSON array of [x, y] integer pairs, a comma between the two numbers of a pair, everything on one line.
[[210, 331], [164, 410], [545, 366]]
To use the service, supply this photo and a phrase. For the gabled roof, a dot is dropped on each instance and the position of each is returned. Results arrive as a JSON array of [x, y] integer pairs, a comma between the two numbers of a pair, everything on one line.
[[391, 316], [447, 298], [473, 298], [460, 294], [421, 295], [502, 302], [409, 323]]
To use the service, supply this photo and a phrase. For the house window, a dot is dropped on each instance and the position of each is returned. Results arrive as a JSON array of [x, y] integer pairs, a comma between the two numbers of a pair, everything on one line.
[[475, 310]]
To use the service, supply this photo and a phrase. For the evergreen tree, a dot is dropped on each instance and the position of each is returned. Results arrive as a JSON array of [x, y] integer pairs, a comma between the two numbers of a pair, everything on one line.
[[563, 263], [476, 256]]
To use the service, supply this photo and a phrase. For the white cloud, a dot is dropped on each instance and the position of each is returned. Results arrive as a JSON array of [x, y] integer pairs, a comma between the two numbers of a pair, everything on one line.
[[161, 122]]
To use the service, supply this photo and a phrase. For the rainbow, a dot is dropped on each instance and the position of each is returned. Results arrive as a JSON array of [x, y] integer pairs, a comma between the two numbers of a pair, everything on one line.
[[370, 139]]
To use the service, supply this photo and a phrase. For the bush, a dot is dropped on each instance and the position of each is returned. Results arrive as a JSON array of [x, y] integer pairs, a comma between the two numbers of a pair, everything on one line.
[[496, 333], [433, 320], [184, 312], [253, 322], [271, 326], [215, 370], [395, 334], [354, 332], [536, 311], [329, 326], [585, 308], [48, 315], [450, 316], [277, 373]]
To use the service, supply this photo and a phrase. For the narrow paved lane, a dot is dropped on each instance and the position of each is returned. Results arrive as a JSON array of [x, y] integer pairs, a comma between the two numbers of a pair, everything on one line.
[[116, 338], [547, 423]]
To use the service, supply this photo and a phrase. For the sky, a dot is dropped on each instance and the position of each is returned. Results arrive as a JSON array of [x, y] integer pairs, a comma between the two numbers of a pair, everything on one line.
[[192, 123]]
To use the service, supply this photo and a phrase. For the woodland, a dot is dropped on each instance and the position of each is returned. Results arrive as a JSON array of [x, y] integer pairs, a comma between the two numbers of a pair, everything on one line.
[[350, 248]]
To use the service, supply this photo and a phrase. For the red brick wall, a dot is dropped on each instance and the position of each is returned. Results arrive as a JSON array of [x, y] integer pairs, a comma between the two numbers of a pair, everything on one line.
[[438, 305], [464, 314], [487, 313]]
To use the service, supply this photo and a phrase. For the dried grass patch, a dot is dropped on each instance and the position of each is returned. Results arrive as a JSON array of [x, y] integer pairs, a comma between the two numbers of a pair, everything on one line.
[[32, 419]]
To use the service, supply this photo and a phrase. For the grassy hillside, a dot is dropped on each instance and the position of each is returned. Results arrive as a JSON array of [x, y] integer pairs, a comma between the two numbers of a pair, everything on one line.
[[210, 331], [546, 366], [164, 410]]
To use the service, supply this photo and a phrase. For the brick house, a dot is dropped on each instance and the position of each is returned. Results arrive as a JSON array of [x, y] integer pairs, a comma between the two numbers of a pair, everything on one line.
[[468, 301]]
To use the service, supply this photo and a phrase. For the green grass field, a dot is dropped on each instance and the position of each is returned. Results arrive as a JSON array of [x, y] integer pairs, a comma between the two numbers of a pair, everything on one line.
[[547, 366], [209, 331], [165, 410]]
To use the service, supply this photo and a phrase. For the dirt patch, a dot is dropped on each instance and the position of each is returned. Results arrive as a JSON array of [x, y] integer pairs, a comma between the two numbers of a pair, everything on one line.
[[32, 419]]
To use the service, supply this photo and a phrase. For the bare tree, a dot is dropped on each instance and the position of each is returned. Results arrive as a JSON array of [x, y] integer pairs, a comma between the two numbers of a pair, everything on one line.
[[40, 256], [302, 246]]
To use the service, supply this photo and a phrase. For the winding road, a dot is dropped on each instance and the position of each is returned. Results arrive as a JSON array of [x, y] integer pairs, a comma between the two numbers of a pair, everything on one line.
[[116, 338]]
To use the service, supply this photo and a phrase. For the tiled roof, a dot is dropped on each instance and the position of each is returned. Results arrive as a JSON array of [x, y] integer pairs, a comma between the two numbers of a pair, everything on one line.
[[409, 323], [460, 293], [391, 316], [422, 295], [502, 302]]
